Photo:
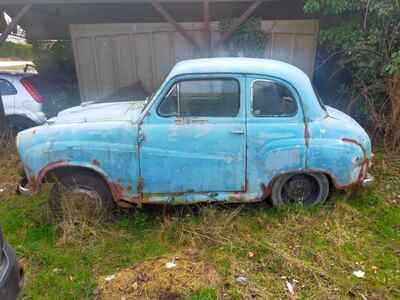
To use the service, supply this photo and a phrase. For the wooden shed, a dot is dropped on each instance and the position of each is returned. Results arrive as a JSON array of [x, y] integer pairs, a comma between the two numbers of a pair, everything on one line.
[[119, 42]]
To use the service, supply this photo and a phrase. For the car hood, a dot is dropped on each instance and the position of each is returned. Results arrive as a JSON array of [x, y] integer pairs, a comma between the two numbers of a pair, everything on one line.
[[100, 112]]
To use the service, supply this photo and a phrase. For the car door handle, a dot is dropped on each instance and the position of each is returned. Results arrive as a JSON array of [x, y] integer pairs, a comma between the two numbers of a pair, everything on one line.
[[237, 131]]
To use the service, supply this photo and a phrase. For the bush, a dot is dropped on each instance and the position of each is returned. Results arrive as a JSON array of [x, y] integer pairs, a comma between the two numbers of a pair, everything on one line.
[[9, 49], [364, 43]]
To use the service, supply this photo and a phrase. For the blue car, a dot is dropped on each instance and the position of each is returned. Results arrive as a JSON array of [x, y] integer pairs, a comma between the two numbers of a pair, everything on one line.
[[217, 130]]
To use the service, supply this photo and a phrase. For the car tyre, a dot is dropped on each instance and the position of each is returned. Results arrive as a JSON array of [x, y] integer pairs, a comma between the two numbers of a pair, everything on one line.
[[308, 190], [82, 186]]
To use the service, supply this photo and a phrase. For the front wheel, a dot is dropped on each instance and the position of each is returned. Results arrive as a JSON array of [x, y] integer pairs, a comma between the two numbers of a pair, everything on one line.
[[308, 190], [81, 193]]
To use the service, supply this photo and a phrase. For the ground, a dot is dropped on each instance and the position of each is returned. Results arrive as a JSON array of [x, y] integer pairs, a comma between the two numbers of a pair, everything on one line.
[[217, 252]]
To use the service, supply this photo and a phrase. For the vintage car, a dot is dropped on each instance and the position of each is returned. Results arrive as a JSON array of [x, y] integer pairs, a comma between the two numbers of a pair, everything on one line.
[[218, 129]]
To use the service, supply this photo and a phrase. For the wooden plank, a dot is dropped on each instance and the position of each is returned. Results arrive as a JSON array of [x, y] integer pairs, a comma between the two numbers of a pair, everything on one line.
[[172, 21], [10, 27], [239, 22]]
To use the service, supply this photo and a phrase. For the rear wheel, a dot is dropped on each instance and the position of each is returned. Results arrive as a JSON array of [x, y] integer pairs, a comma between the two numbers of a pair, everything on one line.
[[309, 189], [83, 193]]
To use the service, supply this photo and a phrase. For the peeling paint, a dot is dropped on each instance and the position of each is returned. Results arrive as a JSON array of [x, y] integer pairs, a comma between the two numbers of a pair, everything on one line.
[[145, 158]]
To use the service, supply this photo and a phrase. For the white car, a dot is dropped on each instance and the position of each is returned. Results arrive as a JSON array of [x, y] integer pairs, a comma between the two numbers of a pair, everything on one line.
[[30, 99]]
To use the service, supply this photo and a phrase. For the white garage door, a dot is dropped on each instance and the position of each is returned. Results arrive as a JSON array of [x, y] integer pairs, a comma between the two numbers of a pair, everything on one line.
[[109, 57]]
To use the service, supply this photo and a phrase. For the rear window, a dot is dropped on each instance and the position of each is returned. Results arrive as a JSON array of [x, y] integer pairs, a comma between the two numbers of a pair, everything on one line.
[[6, 88]]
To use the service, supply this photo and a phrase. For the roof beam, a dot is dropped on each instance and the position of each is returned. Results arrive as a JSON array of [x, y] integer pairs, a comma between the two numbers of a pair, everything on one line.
[[243, 18], [172, 21], [20, 2], [206, 27], [14, 22]]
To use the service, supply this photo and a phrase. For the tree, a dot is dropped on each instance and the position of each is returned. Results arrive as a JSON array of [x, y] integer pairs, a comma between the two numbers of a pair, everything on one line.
[[364, 41]]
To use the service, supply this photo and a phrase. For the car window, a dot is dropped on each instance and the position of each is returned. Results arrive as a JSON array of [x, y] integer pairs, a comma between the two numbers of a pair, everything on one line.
[[272, 99], [202, 98], [6, 88]]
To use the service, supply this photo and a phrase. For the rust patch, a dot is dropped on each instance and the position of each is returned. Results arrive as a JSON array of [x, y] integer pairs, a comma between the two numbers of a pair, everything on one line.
[[351, 141], [140, 185], [35, 181], [306, 134], [265, 191], [96, 162]]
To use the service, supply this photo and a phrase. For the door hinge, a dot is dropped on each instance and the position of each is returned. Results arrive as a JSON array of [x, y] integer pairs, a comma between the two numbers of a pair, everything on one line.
[[140, 137]]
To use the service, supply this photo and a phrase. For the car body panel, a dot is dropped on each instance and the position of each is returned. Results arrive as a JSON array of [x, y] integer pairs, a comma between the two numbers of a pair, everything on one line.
[[148, 158], [194, 150]]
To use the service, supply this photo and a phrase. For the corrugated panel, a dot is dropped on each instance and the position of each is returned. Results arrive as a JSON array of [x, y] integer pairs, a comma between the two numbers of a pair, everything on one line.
[[112, 56]]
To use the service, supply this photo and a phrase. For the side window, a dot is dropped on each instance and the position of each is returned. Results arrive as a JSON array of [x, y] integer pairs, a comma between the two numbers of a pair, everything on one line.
[[202, 98], [272, 99], [6, 88], [169, 106]]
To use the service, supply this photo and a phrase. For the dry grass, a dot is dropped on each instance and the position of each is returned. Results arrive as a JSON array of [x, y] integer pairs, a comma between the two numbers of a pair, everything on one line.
[[152, 279], [78, 222]]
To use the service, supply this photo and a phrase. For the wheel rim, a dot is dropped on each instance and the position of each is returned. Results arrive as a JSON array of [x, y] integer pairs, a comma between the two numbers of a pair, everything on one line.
[[301, 189], [83, 200]]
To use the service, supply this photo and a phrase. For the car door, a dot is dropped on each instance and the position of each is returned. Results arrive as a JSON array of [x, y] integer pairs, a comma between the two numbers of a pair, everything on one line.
[[275, 131], [193, 139]]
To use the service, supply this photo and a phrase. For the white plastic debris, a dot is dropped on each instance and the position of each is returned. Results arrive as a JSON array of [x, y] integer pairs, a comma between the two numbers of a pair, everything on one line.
[[2, 190], [241, 279], [109, 278], [359, 274], [171, 264], [290, 288]]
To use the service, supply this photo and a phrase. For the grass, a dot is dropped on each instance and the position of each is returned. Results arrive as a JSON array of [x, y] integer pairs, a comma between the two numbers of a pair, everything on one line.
[[316, 250]]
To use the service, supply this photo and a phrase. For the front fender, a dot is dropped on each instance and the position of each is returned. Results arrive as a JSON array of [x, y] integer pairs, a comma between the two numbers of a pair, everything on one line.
[[108, 149]]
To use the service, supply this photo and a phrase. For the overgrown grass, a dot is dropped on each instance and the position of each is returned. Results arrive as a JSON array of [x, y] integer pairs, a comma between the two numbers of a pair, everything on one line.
[[315, 250]]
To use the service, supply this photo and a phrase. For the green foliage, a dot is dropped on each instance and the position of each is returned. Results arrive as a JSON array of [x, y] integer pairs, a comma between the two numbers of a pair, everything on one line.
[[364, 41], [248, 40], [9, 49], [54, 57]]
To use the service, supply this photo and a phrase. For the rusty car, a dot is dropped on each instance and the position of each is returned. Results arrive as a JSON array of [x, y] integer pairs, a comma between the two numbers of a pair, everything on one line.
[[217, 130]]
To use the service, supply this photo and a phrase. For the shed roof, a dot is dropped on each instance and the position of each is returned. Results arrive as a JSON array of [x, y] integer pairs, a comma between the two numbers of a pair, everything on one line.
[[50, 19]]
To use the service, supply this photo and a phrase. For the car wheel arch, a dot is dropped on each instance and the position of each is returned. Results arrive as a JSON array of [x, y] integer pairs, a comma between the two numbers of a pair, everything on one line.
[[50, 174]]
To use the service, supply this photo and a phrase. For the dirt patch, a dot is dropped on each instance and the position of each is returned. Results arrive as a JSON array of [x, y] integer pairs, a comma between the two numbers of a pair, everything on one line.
[[171, 277]]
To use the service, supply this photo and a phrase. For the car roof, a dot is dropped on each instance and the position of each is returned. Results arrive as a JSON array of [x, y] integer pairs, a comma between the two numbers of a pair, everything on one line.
[[239, 65]]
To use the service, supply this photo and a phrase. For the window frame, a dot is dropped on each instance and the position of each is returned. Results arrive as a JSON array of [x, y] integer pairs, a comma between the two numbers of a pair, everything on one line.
[[273, 116], [15, 92], [176, 83]]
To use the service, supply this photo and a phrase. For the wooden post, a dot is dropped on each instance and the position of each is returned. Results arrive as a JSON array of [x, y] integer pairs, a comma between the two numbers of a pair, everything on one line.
[[243, 18], [206, 28], [171, 20], [10, 27]]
